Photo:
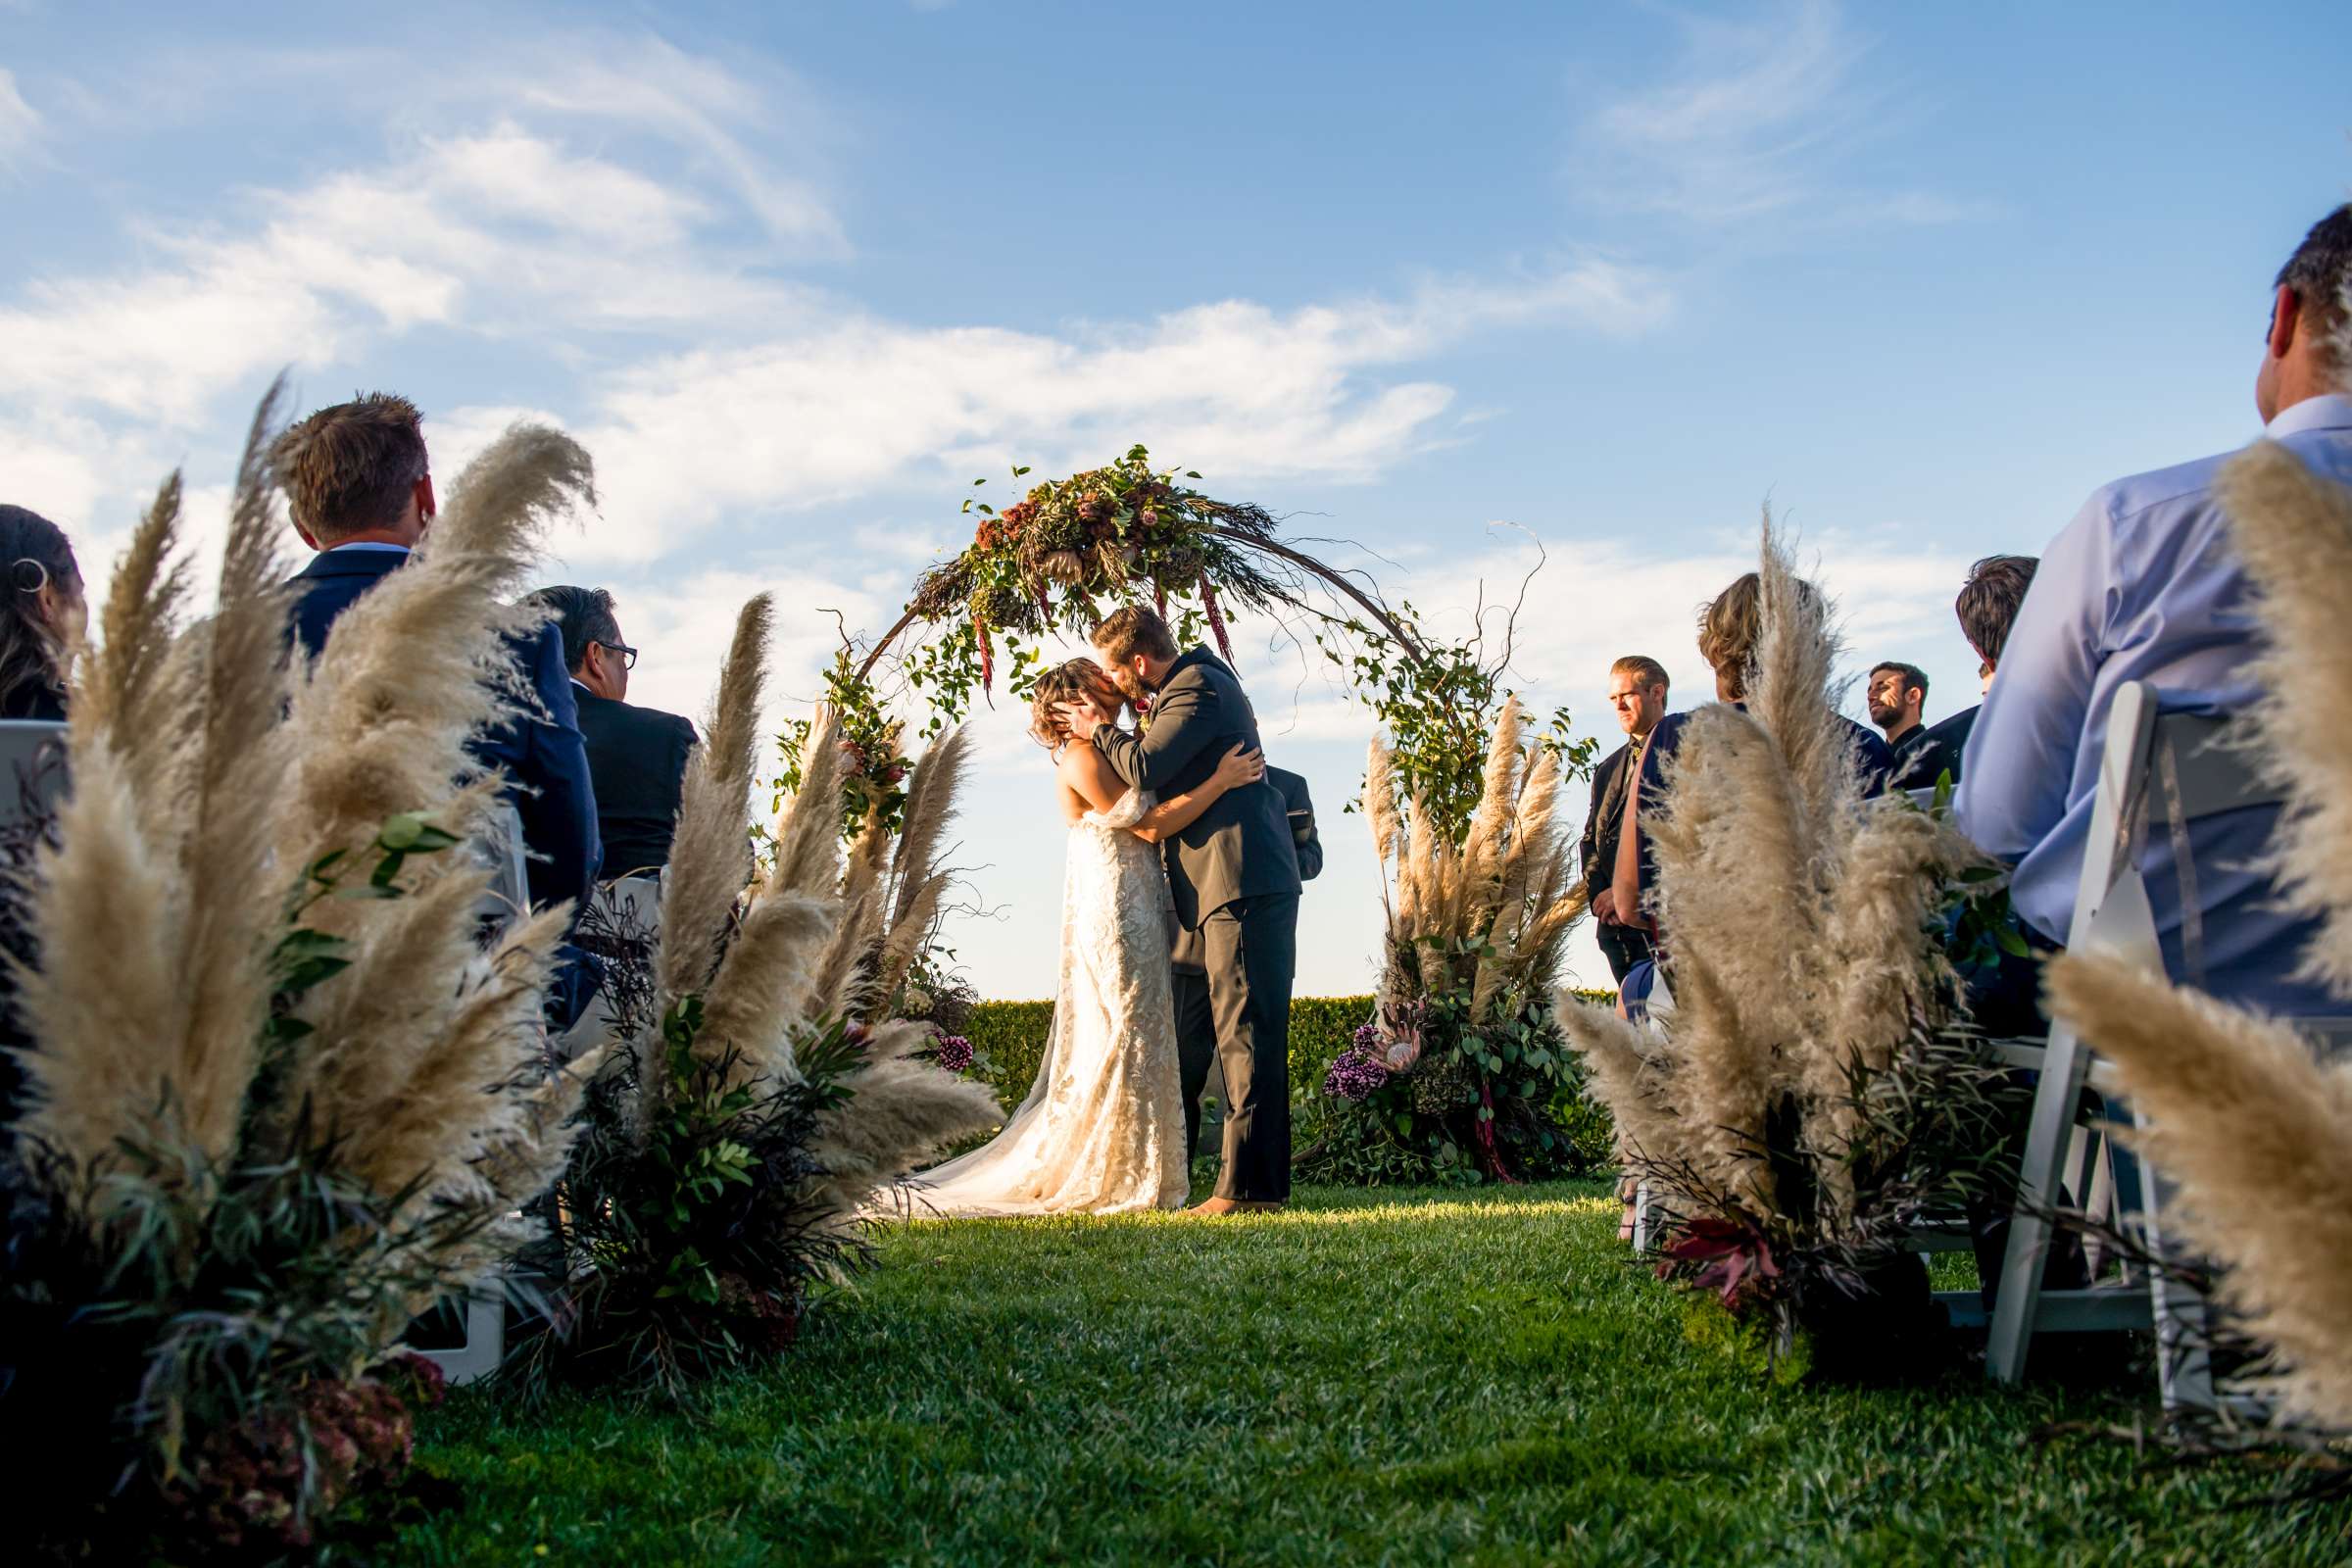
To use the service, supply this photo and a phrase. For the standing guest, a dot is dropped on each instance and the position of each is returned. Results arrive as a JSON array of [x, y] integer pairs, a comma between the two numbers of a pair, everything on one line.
[[636, 755], [360, 490], [1731, 631], [1988, 608], [46, 613], [1196, 1022], [1638, 688], [2144, 585]]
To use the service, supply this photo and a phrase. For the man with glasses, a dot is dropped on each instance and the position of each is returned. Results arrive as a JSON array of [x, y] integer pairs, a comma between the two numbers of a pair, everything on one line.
[[637, 755]]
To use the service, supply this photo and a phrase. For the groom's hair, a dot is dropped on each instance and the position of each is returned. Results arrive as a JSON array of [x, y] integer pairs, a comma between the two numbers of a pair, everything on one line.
[[1132, 630]]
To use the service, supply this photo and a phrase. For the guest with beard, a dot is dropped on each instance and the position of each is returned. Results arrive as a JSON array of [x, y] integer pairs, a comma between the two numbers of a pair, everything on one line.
[[1897, 696]]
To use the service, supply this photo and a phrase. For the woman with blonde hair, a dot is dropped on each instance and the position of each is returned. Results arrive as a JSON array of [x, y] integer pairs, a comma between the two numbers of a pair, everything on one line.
[[1102, 1129]]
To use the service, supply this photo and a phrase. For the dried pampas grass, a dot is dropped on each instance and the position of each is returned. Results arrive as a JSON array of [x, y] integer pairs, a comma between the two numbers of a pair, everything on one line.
[[1797, 915], [2255, 1134], [1509, 884], [2293, 529], [809, 944], [213, 780]]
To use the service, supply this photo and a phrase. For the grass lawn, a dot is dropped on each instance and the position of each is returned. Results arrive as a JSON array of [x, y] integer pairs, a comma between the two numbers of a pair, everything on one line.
[[1411, 1378]]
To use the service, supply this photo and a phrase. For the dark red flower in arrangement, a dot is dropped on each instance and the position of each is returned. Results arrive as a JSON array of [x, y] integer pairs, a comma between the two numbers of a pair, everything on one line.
[[892, 773], [1216, 617], [1735, 1260]]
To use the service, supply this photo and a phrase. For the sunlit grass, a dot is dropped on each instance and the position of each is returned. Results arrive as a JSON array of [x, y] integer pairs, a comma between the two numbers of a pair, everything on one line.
[[1387, 1377]]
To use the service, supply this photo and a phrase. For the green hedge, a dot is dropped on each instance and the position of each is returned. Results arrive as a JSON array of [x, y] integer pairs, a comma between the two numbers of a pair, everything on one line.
[[1012, 1036]]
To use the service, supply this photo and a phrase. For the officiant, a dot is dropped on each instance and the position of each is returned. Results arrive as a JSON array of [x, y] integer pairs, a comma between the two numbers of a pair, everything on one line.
[[1196, 1024]]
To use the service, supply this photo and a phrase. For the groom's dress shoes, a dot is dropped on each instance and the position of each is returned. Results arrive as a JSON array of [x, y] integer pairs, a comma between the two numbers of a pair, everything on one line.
[[1234, 1205]]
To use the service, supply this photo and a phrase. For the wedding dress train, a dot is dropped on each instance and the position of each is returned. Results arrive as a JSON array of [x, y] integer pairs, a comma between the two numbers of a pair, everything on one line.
[[1102, 1131]]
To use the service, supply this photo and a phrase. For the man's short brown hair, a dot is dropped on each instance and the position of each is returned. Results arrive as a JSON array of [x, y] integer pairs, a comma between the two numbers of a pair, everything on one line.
[[1643, 668], [1989, 601], [1135, 629], [350, 469]]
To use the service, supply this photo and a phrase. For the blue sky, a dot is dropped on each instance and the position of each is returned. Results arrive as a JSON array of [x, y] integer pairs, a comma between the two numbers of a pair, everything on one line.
[[1612, 274]]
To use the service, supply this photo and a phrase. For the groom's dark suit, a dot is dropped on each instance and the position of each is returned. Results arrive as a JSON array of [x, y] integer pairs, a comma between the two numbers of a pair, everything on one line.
[[1235, 879]]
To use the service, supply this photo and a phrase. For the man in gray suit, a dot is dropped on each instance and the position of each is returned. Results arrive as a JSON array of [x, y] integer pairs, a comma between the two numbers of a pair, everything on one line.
[[1234, 876], [1195, 1018]]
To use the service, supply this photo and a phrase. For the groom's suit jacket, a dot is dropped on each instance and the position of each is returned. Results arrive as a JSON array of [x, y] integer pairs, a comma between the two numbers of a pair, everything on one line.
[[1240, 848]]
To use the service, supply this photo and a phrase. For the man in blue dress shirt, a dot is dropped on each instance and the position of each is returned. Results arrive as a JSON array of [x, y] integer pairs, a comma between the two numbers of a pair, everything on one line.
[[2144, 585]]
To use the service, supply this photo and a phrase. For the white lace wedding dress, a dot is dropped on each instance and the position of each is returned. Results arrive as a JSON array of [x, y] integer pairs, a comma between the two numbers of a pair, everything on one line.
[[1102, 1129]]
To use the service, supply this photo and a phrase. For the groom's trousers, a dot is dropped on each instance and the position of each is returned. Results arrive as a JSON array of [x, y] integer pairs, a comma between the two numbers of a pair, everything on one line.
[[1251, 950]]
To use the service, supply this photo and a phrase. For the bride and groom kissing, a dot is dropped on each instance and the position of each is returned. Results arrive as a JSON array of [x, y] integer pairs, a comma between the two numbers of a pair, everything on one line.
[[1176, 835]]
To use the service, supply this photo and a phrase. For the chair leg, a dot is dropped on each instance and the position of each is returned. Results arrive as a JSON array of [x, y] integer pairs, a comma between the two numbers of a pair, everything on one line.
[[2017, 1303], [2183, 1320], [1641, 1221]]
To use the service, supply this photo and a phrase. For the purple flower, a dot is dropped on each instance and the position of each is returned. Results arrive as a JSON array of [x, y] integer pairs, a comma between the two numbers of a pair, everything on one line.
[[1367, 1038], [955, 1052], [1355, 1076]]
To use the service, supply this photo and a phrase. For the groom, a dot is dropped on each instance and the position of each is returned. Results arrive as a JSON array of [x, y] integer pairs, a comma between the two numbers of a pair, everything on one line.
[[1234, 874]]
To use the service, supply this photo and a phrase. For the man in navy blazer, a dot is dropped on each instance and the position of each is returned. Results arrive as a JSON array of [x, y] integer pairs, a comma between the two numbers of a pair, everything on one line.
[[362, 496]]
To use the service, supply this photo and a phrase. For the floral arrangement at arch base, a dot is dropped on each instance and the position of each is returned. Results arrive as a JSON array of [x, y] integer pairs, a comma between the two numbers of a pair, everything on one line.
[[1463, 1073]]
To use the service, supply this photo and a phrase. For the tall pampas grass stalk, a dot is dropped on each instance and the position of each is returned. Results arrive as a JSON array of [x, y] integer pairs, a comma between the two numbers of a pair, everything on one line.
[[2254, 1134], [1471, 951], [762, 1094], [279, 1119], [159, 911], [2293, 529], [1809, 988]]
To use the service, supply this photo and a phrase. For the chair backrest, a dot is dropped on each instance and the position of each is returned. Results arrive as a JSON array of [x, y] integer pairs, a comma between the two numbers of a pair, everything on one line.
[[2173, 768], [32, 767], [500, 847]]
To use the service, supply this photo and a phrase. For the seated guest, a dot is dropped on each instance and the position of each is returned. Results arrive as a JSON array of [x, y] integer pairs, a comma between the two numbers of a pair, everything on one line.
[[1987, 607], [45, 612], [361, 495], [2144, 585], [636, 755], [1637, 695], [1731, 629]]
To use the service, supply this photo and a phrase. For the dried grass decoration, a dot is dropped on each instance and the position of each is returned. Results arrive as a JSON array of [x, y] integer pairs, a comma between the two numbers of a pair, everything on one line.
[[281, 1097], [1463, 1070], [760, 1087], [1813, 1096]]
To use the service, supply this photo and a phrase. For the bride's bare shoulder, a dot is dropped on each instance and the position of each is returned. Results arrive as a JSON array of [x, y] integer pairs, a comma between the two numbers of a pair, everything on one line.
[[1087, 781]]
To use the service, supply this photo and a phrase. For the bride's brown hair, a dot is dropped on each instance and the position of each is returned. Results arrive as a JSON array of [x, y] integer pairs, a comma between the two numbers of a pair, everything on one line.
[[1077, 680]]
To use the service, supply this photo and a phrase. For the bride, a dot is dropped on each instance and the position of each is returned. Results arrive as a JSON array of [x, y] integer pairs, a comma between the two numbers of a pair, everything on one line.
[[1102, 1129]]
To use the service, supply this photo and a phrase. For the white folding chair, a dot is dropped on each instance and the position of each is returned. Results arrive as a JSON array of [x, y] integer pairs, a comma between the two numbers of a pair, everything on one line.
[[630, 902], [2170, 767], [507, 899]]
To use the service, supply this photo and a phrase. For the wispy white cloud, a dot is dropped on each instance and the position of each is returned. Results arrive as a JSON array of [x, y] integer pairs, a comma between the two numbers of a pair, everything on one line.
[[20, 123], [806, 419], [1761, 119]]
